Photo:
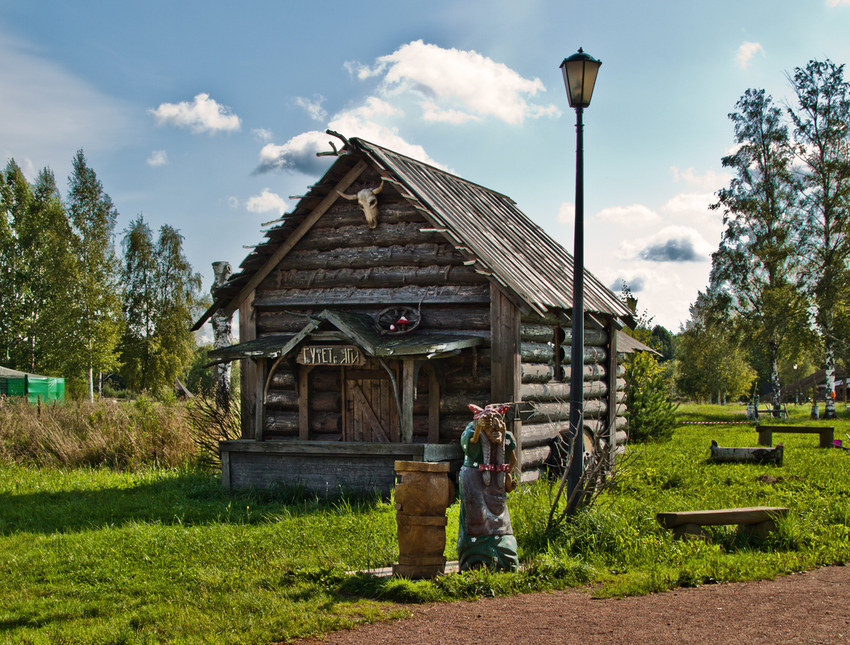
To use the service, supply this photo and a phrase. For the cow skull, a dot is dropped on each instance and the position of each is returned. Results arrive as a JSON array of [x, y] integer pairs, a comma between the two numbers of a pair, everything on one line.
[[368, 202]]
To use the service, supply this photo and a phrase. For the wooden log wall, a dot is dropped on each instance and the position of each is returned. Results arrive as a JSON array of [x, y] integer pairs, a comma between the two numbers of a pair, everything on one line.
[[546, 372], [343, 264]]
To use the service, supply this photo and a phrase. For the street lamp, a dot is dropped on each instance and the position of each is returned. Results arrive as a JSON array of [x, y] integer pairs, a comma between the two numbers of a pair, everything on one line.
[[579, 78]]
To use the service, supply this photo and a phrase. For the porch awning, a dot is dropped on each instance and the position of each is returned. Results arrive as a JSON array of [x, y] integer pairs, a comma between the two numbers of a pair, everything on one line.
[[267, 347], [628, 345], [354, 328]]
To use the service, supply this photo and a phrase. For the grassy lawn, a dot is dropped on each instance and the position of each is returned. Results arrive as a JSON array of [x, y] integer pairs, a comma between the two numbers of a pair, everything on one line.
[[167, 556]]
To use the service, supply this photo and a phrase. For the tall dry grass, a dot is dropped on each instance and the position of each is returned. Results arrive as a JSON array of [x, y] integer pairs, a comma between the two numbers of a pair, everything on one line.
[[104, 433]]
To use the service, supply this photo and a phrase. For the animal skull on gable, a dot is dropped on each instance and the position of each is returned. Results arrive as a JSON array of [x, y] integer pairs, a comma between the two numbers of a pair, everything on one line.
[[368, 200]]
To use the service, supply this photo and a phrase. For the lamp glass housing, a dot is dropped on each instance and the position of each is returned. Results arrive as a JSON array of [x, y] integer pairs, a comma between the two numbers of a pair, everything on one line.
[[580, 72]]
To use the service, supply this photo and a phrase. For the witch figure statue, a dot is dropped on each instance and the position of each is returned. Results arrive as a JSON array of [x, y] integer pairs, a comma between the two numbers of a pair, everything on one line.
[[485, 536]]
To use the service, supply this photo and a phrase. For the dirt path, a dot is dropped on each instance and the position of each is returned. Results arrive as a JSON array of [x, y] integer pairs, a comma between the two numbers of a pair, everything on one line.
[[805, 608]]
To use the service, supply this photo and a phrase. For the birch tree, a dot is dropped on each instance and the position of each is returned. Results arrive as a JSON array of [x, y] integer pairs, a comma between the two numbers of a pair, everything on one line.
[[821, 119], [757, 260], [94, 296], [161, 300]]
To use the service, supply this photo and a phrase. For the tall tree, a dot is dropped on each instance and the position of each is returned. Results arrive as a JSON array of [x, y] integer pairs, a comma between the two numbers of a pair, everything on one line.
[[709, 358], [161, 299], [139, 279], [95, 300], [15, 198], [44, 238], [821, 120], [756, 262]]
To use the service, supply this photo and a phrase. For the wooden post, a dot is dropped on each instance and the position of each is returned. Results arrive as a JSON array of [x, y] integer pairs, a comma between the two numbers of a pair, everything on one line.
[[304, 402], [433, 406], [248, 331], [260, 401], [505, 359], [407, 400]]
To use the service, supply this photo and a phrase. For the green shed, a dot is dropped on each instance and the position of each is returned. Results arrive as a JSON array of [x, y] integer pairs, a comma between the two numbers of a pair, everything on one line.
[[32, 386]]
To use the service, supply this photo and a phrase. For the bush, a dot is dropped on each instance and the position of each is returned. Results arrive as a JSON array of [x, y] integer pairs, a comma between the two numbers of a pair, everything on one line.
[[651, 414]]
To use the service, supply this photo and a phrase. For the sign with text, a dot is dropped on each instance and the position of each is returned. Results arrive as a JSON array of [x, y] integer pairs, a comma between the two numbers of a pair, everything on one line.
[[331, 355]]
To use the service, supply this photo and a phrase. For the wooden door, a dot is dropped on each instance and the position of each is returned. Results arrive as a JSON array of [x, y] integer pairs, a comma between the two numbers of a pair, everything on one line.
[[370, 410]]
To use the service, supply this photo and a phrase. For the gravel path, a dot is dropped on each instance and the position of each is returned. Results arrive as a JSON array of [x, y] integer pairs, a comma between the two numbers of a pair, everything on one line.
[[804, 608]]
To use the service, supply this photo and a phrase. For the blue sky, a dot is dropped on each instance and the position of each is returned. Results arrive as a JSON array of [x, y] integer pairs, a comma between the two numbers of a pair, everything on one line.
[[206, 115]]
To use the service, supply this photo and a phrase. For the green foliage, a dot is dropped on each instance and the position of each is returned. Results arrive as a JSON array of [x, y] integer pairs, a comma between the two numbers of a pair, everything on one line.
[[757, 260], [651, 414], [709, 359], [821, 123], [36, 261], [161, 300], [663, 341], [93, 301], [152, 555]]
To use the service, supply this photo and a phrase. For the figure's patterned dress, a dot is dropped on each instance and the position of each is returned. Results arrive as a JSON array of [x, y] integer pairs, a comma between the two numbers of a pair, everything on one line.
[[485, 536]]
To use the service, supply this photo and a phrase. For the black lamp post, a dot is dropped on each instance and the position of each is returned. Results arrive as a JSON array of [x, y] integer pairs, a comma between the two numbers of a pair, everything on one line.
[[579, 78]]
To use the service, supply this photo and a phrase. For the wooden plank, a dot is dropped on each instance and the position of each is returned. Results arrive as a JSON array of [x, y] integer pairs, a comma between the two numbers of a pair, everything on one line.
[[260, 400], [304, 402], [749, 515], [374, 277], [345, 399], [827, 433], [294, 237], [378, 431], [247, 367], [610, 431], [225, 470], [407, 401], [505, 358], [352, 296], [433, 406]]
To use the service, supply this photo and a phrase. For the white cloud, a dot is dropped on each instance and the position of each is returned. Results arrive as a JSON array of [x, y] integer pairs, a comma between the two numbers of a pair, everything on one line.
[[157, 158], [265, 202], [47, 113], [456, 85], [233, 202], [353, 124], [262, 134], [633, 216], [835, 3], [709, 181], [313, 108], [746, 52], [202, 115], [567, 213], [298, 154]]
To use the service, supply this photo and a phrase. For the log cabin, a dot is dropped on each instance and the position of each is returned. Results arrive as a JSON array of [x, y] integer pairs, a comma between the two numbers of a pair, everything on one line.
[[362, 343]]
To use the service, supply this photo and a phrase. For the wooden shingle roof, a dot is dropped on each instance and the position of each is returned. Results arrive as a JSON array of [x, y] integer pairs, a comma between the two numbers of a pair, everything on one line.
[[486, 226]]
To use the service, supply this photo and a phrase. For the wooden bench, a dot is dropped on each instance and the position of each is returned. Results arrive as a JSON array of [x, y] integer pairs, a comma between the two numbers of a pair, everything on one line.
[[827, 433], [756, 520]]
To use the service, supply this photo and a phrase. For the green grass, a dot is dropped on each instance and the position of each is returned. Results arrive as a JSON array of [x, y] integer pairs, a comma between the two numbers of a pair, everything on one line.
[[168, 556]]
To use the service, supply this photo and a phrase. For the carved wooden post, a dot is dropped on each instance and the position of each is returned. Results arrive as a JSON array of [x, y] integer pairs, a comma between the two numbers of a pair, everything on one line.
[[222, 337]]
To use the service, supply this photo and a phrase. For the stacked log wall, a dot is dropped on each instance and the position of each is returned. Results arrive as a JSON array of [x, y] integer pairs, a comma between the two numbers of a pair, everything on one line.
[[546, 374], [343, 264]]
